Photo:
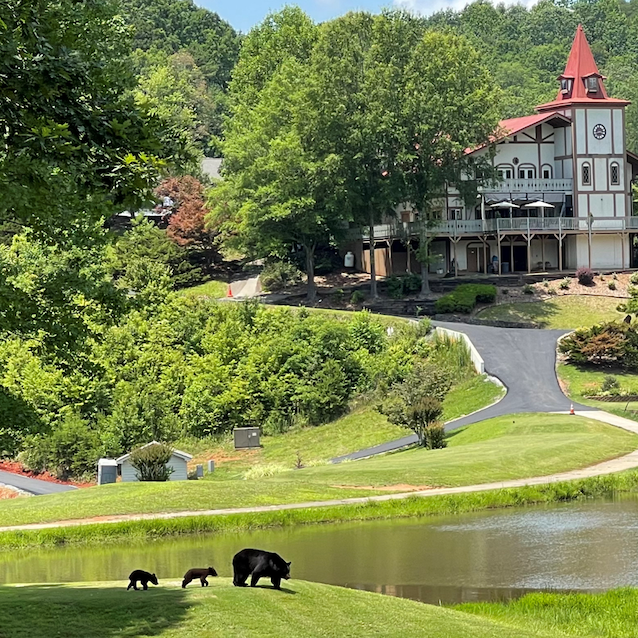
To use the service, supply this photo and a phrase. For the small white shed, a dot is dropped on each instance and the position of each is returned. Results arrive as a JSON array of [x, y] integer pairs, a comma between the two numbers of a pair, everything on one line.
[[178, 462]]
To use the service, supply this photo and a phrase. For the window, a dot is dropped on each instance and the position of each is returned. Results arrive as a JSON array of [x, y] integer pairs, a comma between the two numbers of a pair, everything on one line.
[[586, 174], [526, 172], [565, 85], [615, 173], [455, 213], [592, 85], [505, 172], [547, 171]]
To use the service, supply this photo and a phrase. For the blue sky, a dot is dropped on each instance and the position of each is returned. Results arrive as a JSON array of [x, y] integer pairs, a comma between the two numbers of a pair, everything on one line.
[[244, 14]]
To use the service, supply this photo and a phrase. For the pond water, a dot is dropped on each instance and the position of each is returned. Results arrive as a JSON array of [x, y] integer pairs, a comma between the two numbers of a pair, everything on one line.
[[491, 555]]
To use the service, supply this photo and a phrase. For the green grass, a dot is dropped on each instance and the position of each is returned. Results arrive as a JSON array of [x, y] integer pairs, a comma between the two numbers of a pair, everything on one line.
[[489, 451], [301, 610], [580, 381], [384, 320], [515, 446], [609, 615], [213, 289], [568, 311], [413, 507]]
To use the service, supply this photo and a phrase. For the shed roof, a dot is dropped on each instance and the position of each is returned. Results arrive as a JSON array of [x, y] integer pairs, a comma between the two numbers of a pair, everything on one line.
[[182, 455]]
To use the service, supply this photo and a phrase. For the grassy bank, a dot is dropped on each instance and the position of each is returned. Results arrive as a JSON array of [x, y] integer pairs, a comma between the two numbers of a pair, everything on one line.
[[582, 381], [413, 507], [609, 615], [302, 609], [563, 312], [212, 289]]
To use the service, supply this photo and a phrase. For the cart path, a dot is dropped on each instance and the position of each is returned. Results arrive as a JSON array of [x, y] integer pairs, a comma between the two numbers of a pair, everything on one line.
[[33, 486], [524, 360], [626, 462]]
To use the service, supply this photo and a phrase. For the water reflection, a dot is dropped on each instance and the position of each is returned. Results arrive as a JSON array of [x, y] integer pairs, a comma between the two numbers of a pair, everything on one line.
[[482, 556]]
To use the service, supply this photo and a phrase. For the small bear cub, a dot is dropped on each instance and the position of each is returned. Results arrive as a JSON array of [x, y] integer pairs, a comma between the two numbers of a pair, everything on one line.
[[143, 577], [260, 564], [198, 572]]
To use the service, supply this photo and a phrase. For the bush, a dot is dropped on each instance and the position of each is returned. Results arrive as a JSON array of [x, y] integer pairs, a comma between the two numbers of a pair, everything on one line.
[[611, 285], [505, 291], [565, 283], [464, 298], [609, 383], [277, 275], [435, 437], [528, 289], [150, 462], [634, 278], [585, 276], [401, 285], [358, 296], [610, 344]]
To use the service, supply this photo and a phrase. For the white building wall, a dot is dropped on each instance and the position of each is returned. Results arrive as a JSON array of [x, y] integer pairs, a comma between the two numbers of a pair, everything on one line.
[[581, 127], [606, 252], [129, 473], [619, 133]]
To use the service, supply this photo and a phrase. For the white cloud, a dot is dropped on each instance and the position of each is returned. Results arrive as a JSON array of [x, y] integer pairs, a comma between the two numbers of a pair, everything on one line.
[[428, 7]]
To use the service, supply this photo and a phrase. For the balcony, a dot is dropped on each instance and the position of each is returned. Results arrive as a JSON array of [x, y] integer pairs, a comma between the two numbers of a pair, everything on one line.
[[469, 227], [528, 186]]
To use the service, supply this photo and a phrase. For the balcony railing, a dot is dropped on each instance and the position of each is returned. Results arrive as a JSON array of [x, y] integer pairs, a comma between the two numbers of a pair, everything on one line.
[[461, 227], [528, 186]]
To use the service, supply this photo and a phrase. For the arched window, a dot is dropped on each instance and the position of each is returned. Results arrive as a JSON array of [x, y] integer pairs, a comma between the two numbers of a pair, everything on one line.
[[586, 174], [614, 173], [526, 171], [547, 171], [505, 171]]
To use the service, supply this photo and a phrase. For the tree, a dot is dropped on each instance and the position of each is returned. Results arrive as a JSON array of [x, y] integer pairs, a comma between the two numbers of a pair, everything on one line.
[[74, 144], [449, 104]]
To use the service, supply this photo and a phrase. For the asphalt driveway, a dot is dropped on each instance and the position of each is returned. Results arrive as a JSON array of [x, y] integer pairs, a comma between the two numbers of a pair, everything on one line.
[[523, 359], [33, 486]]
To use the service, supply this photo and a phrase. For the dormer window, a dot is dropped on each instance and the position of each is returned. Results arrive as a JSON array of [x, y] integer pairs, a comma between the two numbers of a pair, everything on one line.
[[591, 84], [565, 85]]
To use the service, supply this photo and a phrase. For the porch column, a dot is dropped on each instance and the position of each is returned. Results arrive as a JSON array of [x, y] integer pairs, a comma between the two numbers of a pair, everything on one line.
[[484, 256], [498, 244], [390, 257], [456, 261], [543, 251], [589, 244], [622, 245], [511, 254], [529, 254], [560, 250]]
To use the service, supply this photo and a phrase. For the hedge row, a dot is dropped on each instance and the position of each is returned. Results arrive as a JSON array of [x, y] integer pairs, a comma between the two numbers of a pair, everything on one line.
[[465, 297]]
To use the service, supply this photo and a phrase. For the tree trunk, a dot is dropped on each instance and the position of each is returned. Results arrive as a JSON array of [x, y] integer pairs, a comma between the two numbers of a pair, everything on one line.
[[373, 273], [311, 290], [425, 281]]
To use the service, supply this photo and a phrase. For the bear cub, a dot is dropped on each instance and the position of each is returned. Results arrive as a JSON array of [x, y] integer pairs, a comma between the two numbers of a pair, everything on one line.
[[260, 564], [198, 572], [143, 577]]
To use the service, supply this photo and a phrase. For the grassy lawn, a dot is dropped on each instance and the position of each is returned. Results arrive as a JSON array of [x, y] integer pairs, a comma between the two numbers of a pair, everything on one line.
[[609, 615], [303, 609], [493, 450], [363, 427], [213, 289], [384, 320], [515, 446], [580, 381], [568, 311]]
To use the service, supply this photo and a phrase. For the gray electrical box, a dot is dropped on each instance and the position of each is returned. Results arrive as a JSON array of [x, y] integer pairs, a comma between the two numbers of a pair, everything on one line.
[[246, 437], [106, 471]]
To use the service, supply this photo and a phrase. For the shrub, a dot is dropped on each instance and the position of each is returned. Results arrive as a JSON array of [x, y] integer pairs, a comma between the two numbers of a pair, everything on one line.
[[464, 298], [634, 278], [565, 283], [605, 344], [435, 437], [358, 296], [609, 383], [528, 289], [276, 275], [545, 283], [505, 291], [611, 285], [614, 276], [552, 292], [585, 276], [401, 285], [150, 462]]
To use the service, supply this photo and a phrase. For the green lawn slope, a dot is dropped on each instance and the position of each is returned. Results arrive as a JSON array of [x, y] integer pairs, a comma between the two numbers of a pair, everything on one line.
[[563, 312], [303, 610]]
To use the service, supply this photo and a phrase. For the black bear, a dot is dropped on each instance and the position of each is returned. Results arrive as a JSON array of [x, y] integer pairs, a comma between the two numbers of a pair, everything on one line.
[[198, 572], [260, 564], [143, 577]]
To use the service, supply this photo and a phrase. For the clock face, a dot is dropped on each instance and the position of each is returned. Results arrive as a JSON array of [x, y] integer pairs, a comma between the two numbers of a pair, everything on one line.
[[599, 131]]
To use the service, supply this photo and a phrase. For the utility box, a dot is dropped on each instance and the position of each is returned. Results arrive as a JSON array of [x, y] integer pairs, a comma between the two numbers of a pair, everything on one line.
[[106, 471], [246, 437]]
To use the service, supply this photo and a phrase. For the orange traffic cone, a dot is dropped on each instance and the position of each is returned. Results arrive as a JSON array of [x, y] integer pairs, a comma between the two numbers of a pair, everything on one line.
[[230, 291], [571, 409]]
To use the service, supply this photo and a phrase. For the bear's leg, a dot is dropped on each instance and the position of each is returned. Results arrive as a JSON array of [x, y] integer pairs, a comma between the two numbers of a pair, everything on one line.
[[130, 584], [239, 579], [276, 582], [255, 579], [145, 585], [204, 581]]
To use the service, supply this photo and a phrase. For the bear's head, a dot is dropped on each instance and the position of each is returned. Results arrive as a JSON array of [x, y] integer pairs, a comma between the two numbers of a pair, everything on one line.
[[211, 571], [154, 579], [280, 566]]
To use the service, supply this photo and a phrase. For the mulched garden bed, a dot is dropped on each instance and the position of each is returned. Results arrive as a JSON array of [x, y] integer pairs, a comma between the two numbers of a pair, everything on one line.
[[17, 468]]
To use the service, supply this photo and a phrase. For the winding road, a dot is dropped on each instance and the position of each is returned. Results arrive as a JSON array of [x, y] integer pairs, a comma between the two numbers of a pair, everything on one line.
[[525, 362], [31, 485]]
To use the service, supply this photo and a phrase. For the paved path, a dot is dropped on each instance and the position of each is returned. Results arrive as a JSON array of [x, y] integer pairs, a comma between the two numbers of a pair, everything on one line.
[[523, 359], [246, 288], [33, 486], [627, 462]]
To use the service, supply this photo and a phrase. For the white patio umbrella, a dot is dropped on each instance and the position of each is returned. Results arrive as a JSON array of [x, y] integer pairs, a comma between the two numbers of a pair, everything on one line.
[[538, 204], [505, 206]]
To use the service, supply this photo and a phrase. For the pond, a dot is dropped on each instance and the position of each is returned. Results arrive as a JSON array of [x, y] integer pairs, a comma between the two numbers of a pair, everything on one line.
[[488, 555]]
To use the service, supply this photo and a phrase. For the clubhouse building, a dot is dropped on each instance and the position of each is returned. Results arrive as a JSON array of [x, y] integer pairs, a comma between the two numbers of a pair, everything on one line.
[[562, 199]]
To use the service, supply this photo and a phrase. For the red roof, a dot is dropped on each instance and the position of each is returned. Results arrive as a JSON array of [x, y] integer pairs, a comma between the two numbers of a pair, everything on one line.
[[580, 65], [507, 128]]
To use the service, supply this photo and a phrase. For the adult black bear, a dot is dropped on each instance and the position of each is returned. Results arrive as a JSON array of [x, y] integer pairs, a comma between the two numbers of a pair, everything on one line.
[[143, 577], [198, 572], [260, 564]]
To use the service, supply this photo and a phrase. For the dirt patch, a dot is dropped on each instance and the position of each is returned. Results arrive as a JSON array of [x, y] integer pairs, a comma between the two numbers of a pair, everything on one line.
[[222, 456], [17, 468], [399, 487], [7, 492]]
